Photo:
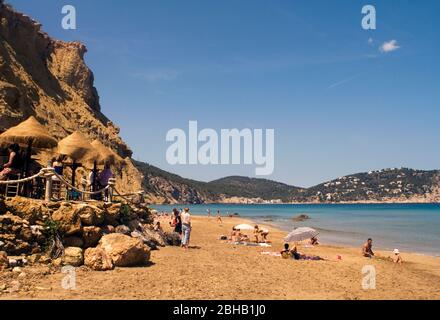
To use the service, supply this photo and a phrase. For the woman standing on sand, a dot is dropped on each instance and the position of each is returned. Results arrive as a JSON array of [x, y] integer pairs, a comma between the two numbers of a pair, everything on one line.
[[177, 222], [186, 228]]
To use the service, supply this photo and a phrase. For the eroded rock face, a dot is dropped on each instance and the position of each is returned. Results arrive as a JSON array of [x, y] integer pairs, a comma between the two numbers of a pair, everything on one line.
[[124, 250], [50, 80], [91, 236], [28, 209], [112, 214], [97, 259], [90, 215], [68, 219], [17, 236]]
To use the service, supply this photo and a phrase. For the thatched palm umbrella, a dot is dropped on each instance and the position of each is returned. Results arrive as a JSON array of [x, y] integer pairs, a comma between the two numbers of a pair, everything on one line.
[[29, 132], [78, 148], [105, 155]]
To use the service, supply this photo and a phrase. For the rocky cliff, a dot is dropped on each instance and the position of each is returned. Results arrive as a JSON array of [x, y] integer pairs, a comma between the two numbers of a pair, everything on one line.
[[49, 79]]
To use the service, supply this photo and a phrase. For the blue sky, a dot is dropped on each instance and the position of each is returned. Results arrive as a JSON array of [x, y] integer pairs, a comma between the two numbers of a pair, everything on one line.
[[337, 103]]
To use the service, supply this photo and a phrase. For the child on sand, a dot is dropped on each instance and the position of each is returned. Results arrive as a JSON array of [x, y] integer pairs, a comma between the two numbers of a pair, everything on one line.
[[397, 258], [219, 217]]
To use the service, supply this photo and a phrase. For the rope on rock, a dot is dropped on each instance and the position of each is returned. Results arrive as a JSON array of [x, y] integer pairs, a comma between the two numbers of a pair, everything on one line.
[[78, 190]]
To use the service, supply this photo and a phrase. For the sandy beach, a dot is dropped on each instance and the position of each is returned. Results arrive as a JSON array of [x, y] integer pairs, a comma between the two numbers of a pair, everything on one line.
[[213, 269]]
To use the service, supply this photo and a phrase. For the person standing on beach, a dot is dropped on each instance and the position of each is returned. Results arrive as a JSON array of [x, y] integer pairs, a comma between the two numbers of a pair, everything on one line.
[[209, 212], [219, 217], [177, 222], [367, 249], [186, 228]]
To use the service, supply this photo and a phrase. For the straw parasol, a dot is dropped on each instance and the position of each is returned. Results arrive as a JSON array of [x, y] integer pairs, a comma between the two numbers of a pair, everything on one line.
[[77, 147], [301, 234], [29, 133], [105, 155]]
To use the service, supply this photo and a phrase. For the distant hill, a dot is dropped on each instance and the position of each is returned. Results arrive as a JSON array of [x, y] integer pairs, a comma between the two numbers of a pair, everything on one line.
[[178, 189], [387, 185], [237, 186]]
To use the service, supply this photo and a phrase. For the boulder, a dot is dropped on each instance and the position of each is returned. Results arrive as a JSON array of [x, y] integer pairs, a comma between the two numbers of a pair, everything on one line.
[[90, 215], [147, 241], [108, 229], [4, 261], [133, 224], [73, 257], [157, 237], [112, 214], [172, 239], [73, 242], [91, 236], [301, 218], [29, 209], [97, 259], [124, 250], [122, 229], [26, 234], [68, 219]]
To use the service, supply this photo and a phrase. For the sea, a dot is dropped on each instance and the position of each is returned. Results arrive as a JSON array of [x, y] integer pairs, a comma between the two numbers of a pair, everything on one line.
[[408, 227]]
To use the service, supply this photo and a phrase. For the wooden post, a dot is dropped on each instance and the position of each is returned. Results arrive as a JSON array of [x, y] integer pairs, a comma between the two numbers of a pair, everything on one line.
[[48, 191], [112, 184]]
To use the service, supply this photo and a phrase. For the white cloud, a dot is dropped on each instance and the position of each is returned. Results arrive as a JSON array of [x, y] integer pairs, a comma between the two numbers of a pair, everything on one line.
[[389, 46]]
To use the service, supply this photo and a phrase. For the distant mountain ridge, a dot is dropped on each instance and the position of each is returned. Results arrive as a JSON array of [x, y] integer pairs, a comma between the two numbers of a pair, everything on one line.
[[387, 185]]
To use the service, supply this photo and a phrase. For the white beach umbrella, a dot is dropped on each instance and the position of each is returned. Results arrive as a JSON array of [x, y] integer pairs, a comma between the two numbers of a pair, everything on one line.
[[244, 226], [301, 234]]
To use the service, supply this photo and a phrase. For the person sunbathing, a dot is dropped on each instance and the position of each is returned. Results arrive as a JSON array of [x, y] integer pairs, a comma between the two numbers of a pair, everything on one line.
[[285, 254], [235, 235], [295, 254]]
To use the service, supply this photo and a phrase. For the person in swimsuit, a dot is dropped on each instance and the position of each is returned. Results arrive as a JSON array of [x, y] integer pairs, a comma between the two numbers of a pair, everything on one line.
[[367, 249]]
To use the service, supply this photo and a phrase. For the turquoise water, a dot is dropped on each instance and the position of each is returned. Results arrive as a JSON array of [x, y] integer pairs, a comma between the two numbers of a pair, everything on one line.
[[408, 227]]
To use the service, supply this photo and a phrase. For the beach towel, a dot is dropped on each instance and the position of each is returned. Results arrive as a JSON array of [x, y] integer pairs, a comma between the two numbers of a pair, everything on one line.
[[269, 253], [250, 244]]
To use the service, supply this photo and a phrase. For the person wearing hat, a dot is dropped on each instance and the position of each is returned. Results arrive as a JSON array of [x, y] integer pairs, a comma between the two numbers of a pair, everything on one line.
[[397, 258]]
